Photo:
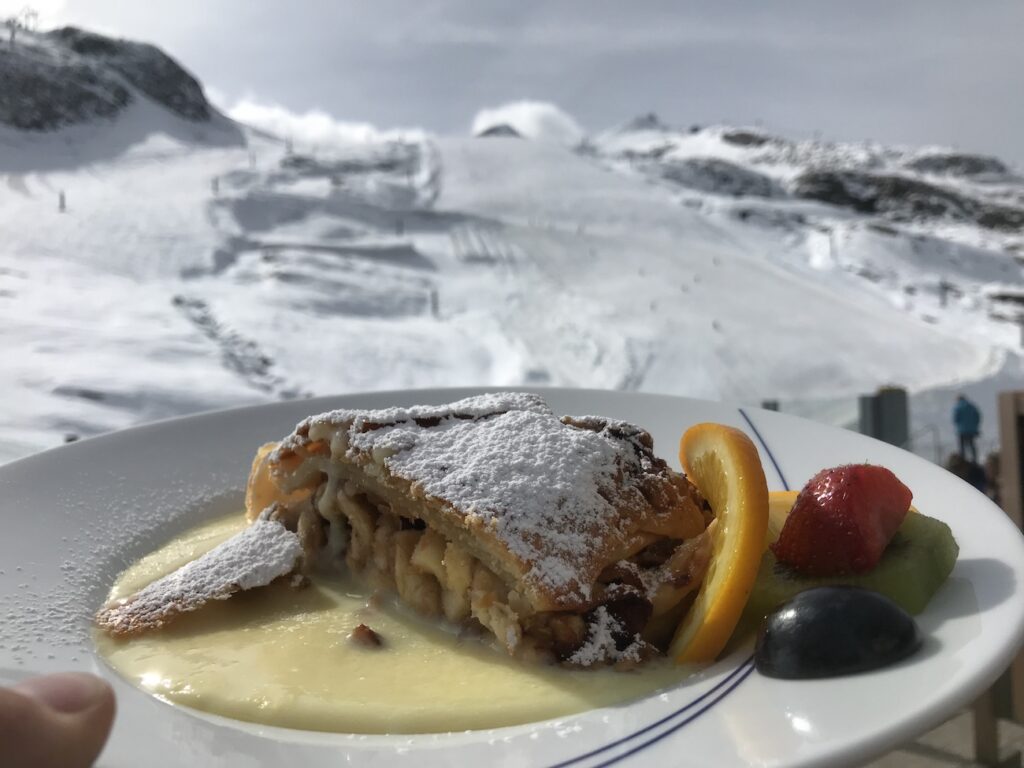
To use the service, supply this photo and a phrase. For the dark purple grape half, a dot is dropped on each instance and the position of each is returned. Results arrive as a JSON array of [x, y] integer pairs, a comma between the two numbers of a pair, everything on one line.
[[834, 631]]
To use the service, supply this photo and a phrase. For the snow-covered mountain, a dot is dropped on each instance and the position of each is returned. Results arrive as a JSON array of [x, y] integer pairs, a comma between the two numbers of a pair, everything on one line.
[[102, 96], [935, 233], [155, 263], [70, 76]]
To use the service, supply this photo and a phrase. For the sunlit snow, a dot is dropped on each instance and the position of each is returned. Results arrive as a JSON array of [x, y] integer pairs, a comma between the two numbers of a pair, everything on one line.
[[192, 269]]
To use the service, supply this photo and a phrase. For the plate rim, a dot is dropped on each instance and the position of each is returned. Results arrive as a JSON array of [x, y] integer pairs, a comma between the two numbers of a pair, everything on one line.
[[914, 725]]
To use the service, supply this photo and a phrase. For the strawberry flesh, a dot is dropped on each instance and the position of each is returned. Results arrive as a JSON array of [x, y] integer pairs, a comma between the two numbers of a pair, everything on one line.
[[842, 520]]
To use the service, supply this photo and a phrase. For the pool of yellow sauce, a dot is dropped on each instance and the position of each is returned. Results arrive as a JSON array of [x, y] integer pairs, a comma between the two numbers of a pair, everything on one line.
[[282, 656]]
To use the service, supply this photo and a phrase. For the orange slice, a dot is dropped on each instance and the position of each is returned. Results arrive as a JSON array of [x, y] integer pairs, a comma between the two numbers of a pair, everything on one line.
[[723, 463]]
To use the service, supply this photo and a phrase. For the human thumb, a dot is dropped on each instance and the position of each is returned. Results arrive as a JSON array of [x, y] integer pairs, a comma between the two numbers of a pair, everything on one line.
[[56, 720]]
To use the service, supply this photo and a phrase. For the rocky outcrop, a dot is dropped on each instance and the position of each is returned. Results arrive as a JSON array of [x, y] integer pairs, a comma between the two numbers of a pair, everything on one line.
[[145, 66], [43, 92], [957, 164], [903, 198], [709, 174], [646, 122], [69, 76], [742, 137], [501, 129]]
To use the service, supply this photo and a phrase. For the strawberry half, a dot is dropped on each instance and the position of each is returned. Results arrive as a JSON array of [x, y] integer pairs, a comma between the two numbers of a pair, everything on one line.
[[842, 520]]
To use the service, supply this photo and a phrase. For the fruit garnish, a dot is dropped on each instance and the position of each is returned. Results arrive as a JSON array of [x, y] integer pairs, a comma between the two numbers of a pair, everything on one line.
[[832, 631], [918, 560], [843, 520], [724, 465], [779, 505]]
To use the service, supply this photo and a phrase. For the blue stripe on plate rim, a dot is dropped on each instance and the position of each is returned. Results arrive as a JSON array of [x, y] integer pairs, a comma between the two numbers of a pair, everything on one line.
[[771, 456], [708, 699]]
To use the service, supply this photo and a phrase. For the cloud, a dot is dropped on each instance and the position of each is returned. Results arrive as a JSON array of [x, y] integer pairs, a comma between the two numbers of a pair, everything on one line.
[[533, 119], [314, 127]]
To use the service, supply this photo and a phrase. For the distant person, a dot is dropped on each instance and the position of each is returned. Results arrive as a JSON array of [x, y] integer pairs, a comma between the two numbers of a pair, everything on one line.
[[967, 420]]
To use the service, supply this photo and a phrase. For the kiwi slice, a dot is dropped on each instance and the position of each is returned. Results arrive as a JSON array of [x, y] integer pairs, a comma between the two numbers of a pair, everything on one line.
[[917, 561]]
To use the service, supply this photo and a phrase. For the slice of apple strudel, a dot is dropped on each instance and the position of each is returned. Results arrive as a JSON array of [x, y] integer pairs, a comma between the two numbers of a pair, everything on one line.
[[564, 538]]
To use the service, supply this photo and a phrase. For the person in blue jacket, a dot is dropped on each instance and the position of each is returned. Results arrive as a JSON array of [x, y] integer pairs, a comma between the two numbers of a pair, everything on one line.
[[967, 420]]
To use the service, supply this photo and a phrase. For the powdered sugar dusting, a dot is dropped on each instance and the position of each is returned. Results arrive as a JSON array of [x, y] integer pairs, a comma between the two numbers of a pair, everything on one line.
[[475, 407], [255, 557], [536, 483], [600, 646]]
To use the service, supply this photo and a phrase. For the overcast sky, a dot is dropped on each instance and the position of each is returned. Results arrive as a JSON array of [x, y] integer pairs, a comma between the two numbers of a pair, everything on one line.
[[934, 71]]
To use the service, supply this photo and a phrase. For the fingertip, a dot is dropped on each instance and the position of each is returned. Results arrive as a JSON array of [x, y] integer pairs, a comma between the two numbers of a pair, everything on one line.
[[91, 727], [106, 707], [67, 722], [69, 692]]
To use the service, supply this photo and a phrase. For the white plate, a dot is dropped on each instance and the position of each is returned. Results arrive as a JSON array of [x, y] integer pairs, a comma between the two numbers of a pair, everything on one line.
[[75, 516]]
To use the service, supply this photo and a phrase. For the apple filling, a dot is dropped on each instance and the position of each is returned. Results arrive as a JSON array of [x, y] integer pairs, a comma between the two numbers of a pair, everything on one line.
[[636, 603], [339, 484]]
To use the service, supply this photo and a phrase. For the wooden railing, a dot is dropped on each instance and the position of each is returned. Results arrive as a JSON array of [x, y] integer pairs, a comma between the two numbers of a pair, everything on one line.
[[1011, 495]]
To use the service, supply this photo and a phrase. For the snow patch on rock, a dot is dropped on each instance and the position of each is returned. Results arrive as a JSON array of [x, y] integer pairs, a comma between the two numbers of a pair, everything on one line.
[[538, 120]]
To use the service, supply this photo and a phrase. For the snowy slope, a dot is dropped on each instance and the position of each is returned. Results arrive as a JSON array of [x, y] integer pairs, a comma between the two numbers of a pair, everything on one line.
[[192, 271], [669, 299]]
